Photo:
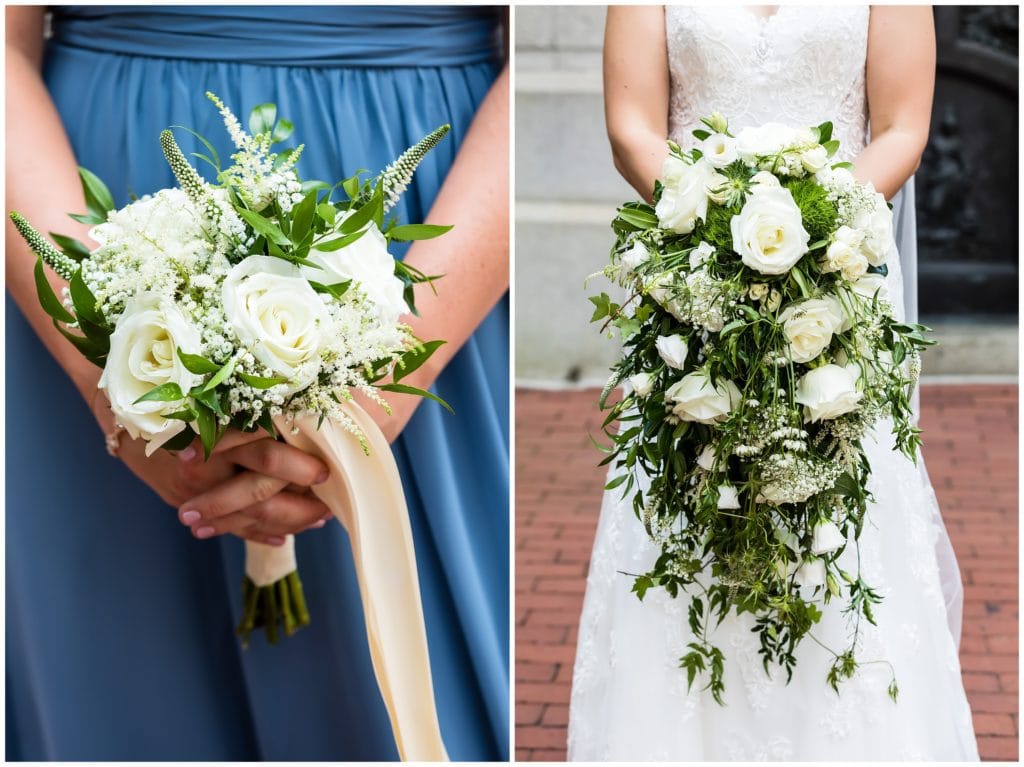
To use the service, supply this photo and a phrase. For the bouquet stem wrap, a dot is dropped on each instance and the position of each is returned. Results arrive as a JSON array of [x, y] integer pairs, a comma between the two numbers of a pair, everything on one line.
[[365, 493]]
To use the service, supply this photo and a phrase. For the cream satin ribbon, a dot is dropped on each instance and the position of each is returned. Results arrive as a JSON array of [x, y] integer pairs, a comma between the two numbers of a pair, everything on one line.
[[365, 494]]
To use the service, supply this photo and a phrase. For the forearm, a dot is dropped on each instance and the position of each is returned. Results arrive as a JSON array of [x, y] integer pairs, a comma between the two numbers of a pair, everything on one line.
[[42, 185], [638, 156], [474, 255], [889, 160]]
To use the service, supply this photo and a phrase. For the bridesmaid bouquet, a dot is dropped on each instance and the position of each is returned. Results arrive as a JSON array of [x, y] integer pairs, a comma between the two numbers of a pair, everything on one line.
[[760, 348], [242, 304]]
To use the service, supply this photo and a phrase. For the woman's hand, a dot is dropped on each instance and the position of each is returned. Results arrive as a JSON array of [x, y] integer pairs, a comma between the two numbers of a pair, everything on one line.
[[252, 486]]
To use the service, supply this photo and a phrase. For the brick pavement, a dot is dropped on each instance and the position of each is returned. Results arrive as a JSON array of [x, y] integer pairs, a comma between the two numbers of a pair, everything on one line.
[[971, 452]]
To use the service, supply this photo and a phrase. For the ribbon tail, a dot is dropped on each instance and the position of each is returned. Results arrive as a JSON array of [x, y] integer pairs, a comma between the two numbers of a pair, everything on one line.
[[365, 493]]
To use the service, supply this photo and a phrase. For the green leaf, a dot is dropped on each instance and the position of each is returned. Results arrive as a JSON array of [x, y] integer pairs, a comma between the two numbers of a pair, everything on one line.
[[71, 247], [208, 398], [405, 389], [262, 118], [194, 363], [188, 415], [341, 242], [824, 132], [801, 282], [282, 130], [327, 212], [411, 232], [616, 482], [700, 134], [207, 422], [831, 147], [179, 441], [638, 218], [168, 392], [336, 291], [414, 358], [86, 218], [258, 382], [603, 307], [221, 375], [302, 216], [97, 197], [264, 226], [47, 298], [85, 301], [86, 347], [364, 215]]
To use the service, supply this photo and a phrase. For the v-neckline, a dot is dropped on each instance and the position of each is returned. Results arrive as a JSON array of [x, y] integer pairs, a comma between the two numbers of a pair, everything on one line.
[[760, 18]]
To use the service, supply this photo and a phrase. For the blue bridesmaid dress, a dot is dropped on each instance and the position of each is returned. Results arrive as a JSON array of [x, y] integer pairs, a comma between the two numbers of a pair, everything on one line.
[[120, 626]]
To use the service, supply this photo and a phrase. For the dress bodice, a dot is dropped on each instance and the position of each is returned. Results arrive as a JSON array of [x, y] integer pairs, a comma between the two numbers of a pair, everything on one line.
[[800, 66]]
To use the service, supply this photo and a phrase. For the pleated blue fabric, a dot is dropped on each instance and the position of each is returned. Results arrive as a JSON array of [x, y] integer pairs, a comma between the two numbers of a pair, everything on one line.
[[120, 641]]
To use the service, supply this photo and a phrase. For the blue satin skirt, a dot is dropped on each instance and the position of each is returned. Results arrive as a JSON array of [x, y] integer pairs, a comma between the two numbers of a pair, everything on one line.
[[120, 640]]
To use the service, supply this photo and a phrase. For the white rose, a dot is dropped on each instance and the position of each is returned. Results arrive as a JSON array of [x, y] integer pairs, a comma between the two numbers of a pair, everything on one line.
[[844, 254], [276, 313], [827, 538], [768, 233], [876, 227], [774, 300], [641, 383], [828, 392], [767, 139], [684, 198], [369, 265], [673, 350], [706, 459], [809, 325], [728, 497], [840, 310], [814, 159], [143, 355], [634, 257], [697, 400], [719, 149], [700, 255], [810, 575]]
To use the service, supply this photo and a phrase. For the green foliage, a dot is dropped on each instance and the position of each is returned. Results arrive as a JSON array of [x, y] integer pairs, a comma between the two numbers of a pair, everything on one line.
[[819, 213]]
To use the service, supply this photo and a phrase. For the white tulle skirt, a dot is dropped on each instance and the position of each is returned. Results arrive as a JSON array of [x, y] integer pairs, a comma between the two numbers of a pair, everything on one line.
[[630, 700]]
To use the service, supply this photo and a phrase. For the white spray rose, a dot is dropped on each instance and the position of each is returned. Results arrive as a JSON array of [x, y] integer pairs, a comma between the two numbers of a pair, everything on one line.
[[143, 355], [774, 300], [768, 233], [809, 325], [369, 265], [695, 399], [684, 198], [700, 255], [876, 227], [719, 149], [728, 497], [844, 254], [871, 284], [827, 538], [276, 313], [758, 291], [673, 350], [814, 159], [641, 383], [634, 257], [828, 392]]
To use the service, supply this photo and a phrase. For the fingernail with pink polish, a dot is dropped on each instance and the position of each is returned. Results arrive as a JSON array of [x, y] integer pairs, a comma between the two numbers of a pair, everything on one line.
[[322, 477], [275, 540], [205, 532], [190, 517], [187, 454], [318, 524]]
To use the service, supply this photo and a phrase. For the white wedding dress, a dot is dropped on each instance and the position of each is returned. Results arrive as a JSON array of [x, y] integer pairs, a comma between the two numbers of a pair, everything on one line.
[[630, 700]]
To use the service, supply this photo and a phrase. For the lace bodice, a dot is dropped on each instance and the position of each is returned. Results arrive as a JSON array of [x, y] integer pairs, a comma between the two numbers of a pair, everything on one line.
[[801, 66]]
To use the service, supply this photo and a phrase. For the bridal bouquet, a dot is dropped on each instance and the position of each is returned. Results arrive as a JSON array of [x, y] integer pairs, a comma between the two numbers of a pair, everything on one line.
[[254, 300], [759, 349]]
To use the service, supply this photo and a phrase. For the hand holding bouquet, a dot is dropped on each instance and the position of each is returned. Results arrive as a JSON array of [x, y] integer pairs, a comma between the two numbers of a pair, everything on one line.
[[760, 349], [242, 304]]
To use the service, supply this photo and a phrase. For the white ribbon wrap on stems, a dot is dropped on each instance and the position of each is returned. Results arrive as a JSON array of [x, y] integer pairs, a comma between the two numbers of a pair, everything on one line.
[[266, 565], [365, 494]]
